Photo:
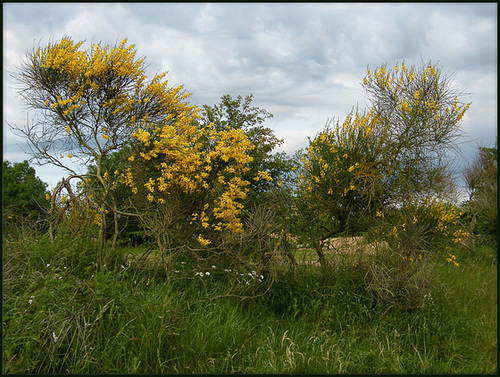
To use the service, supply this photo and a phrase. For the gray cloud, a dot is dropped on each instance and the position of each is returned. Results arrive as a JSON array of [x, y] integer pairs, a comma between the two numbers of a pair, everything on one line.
[[302, 62]]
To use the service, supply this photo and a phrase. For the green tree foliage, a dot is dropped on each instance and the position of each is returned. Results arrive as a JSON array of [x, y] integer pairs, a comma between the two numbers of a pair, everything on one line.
[[24, 194], [127, 222], [482, 183], [189, 180]]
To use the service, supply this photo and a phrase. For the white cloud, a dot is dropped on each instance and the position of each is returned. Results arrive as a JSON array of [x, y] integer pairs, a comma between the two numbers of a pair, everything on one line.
[[462, 39]]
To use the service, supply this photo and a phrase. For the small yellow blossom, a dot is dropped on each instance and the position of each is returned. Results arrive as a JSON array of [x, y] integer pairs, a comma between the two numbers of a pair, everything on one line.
[[203, 241]]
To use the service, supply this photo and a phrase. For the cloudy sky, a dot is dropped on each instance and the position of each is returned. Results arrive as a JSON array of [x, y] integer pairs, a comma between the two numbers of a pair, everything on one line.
[[302, 62]]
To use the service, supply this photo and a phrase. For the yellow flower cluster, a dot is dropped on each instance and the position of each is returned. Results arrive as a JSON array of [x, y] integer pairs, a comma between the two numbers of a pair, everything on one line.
[[97, 219], [64, 56], [452, 259], [411, 259], [263, 175], [96, 74], [418, 93], [127, 179], [203, 241], [444, 217], [337, 160], [460, 236], [200, 161]]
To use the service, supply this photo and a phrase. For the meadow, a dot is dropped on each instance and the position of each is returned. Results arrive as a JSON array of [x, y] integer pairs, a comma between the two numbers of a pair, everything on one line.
[[145, 313]]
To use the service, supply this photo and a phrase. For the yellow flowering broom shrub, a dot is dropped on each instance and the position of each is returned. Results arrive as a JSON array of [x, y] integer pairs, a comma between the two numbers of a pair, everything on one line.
[[92, 101], [99, 102], [340, 177], [420, 116], [430, 226], [191, 178], [390, 155]]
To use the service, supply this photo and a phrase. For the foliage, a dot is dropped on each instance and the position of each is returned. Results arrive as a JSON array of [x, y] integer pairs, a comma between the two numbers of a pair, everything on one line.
[[418, 229], [230, 114], [340, 177], [420, 116], [74, 210], [238, 113], [481, 179], [91, 103], [24, 194], [127, 221], [387, 156], [192, 179]]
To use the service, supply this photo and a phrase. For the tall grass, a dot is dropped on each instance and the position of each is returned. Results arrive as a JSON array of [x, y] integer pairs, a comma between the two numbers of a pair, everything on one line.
[[64, 313]]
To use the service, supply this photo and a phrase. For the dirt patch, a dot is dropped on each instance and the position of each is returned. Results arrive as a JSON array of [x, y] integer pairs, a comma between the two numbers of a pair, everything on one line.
[[352, 245], [348, 246]]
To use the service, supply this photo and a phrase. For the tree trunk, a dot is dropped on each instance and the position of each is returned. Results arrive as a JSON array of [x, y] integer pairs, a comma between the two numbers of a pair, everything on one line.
[[319, 250], [319, 243]]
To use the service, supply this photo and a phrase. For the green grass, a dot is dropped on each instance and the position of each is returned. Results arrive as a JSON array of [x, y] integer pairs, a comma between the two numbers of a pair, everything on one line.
[[63, 313]]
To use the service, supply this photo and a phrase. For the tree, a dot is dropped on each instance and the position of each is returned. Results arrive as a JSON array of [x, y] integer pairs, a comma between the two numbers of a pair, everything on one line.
[[390, 155], [419, 115], [91, 102], [24, 194], [482, 183], [264, 206], [238, 113], [341, 180]]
